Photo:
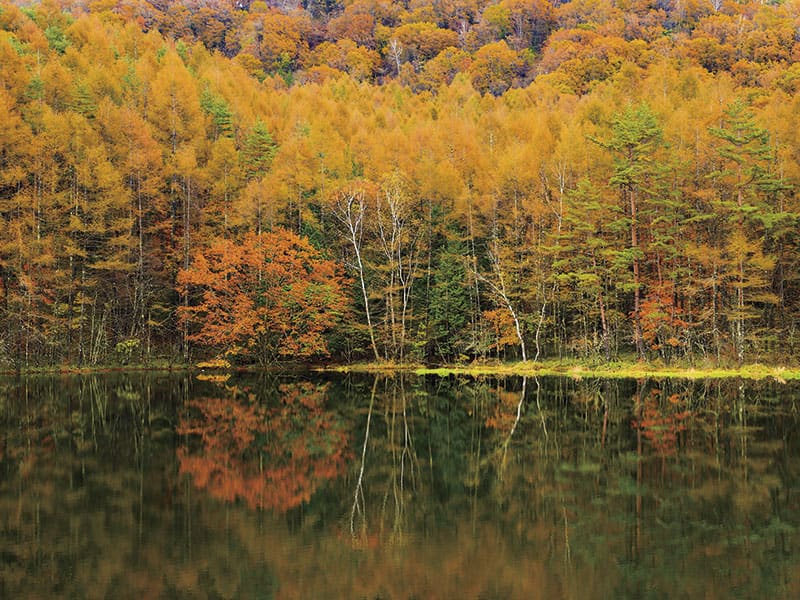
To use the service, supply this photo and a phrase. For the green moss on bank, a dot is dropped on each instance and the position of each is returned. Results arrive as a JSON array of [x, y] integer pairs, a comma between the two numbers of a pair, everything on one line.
[[155, 366], [617, 370], [575, 369]]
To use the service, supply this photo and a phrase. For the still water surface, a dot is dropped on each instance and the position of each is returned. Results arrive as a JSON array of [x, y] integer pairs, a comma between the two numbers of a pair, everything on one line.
[[166, 486]]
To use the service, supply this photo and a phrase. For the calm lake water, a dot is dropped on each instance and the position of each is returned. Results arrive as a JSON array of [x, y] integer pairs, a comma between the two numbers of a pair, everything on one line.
[[167, 486]]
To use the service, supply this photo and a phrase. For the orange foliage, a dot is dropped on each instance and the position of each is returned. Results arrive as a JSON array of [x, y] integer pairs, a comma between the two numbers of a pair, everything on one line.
[[358, 27], [494, 68], [123, 151], [661, 422], [359, 62], [283, 42], [662, 323], [270, 295], [504, 414], [502, 326], [424, 40]]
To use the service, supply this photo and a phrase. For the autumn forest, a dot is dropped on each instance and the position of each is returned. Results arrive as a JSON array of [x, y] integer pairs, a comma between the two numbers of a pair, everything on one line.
[[416, 181]]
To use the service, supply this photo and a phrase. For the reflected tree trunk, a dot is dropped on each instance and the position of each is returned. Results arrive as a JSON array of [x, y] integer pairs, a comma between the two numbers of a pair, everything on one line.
[[359, 503], [507, 441]]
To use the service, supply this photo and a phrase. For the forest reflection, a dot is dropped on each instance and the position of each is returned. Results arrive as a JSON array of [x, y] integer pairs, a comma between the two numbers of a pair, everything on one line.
[[270, 456], [396, 487]]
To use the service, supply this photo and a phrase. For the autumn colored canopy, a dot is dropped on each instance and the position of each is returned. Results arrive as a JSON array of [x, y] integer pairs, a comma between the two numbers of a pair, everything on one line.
[[431, 182], [270, 295]]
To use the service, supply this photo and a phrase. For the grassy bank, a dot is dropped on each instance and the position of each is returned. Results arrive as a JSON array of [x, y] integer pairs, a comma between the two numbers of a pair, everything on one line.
[[620, 370], [615, 370], [89, 369]]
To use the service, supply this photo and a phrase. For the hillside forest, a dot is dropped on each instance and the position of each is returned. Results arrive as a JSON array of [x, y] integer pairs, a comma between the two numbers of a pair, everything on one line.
[[413, 181]]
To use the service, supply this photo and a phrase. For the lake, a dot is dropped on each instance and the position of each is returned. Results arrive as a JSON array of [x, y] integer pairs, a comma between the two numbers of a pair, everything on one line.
[[358, 486]]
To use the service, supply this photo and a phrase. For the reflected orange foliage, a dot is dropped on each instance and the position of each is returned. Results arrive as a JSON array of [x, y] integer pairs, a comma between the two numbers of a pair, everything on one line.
[[269, 457], [661, 421], [504, 413]]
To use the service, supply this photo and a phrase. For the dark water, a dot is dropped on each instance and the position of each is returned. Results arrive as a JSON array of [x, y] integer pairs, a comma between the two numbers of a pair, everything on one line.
[[166, 486]]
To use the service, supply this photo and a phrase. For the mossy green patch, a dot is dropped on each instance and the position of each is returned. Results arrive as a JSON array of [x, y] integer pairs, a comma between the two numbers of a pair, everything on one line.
[[615, 370]]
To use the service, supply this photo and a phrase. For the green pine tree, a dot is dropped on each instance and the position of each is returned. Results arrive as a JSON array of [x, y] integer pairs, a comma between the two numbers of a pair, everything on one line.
[[744, 186], [220, 113], [258, 150], [449, 303]]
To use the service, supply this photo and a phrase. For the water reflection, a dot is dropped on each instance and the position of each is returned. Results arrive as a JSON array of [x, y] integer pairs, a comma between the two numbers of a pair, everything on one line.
[[269, 455], [396, 487]]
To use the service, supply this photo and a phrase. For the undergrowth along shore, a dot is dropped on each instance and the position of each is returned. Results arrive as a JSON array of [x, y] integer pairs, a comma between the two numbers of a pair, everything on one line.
[[575, 369]]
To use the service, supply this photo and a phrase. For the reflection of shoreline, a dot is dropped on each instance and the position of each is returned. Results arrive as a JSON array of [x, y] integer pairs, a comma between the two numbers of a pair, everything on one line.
[[576, 370], [91, 503], [270, 457]]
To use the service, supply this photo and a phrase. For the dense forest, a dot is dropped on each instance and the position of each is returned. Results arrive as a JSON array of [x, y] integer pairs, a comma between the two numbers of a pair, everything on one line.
[[406, 181]]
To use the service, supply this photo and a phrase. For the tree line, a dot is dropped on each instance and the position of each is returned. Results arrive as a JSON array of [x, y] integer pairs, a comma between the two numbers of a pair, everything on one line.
[[160, 199]]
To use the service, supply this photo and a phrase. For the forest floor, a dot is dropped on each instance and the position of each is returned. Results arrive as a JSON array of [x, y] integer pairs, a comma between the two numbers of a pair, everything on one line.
[[616, 370]]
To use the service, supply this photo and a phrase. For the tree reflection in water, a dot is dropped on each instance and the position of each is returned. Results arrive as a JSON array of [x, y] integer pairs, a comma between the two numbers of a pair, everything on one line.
[[379, 516], [269, 456], [661, 421], [393, 487]]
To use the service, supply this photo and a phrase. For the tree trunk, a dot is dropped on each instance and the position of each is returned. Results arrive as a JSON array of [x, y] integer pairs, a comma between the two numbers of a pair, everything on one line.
[[637, 292]]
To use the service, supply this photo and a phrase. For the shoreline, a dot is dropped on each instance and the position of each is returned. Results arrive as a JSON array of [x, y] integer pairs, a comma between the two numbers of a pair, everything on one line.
[[613, 370]]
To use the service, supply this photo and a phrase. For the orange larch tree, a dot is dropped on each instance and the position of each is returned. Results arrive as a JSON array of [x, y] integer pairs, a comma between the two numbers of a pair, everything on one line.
[[271, 295]]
